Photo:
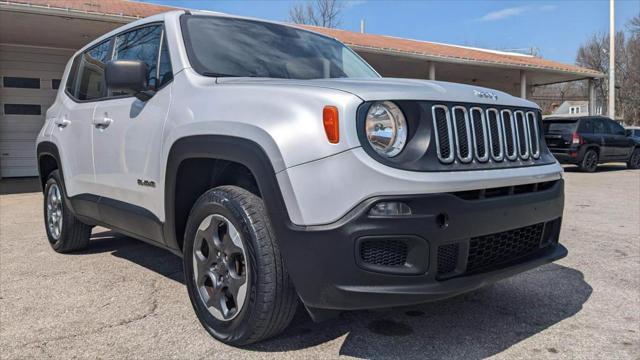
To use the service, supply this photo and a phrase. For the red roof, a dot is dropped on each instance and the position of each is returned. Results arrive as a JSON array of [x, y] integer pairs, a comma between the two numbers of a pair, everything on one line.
[[443, 52], [434, 51], [107, 7]]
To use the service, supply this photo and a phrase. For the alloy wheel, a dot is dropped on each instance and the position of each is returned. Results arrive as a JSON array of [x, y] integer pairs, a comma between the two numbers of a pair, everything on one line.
[[591, 161], [220, 267], [54, 211]]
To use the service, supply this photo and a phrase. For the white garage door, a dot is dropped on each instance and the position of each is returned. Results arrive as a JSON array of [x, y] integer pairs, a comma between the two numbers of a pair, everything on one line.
[[29, 79]]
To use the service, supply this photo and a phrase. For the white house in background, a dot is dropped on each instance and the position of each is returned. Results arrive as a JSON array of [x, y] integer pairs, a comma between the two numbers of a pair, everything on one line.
[[574, 108]]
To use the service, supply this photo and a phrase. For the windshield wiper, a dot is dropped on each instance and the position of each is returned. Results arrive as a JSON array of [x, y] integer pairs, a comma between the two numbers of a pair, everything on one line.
[[215, 74]]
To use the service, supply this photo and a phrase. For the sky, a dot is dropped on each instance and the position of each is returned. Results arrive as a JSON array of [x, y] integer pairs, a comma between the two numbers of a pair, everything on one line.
[[555, 28]]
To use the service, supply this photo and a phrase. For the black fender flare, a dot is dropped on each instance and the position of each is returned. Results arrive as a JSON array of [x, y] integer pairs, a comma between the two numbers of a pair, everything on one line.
[[47, 148], [230, 148]]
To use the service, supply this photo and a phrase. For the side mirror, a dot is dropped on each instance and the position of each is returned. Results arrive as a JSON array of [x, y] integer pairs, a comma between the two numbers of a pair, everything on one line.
[[129, 76]]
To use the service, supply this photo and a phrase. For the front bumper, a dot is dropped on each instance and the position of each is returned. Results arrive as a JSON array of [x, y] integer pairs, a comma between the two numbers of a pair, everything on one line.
[[325, 262]]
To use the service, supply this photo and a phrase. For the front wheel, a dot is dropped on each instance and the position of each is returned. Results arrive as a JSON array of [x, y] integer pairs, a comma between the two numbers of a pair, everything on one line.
[[589, 162], [234, 272], [634, 160]]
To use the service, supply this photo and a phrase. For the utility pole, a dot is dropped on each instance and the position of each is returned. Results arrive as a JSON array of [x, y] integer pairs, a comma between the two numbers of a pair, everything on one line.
[[362, 26], [612, 61]]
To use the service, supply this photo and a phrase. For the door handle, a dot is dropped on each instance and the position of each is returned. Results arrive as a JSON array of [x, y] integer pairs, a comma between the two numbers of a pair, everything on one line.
[[62, 122], [102, 123]]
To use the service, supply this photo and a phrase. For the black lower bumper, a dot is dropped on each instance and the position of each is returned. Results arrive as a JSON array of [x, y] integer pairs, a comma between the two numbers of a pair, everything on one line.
[[331, 269]]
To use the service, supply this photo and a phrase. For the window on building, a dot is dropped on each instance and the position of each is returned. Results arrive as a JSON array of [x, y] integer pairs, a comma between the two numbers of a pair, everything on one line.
[[22, 109], [55, 84], [20, 82], [574, 110]]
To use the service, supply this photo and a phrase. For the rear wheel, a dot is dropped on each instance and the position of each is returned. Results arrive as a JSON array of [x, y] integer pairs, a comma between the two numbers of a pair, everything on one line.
[[235, 276], [65, 232], [634, 160], [589, 162]]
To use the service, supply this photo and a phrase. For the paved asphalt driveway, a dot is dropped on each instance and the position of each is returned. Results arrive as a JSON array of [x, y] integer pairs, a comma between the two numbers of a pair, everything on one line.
[[125, 299]]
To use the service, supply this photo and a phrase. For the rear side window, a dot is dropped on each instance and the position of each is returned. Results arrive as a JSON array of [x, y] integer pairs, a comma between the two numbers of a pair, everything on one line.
[[141, 44], [599, 126], [90, 82], [73, 76], [586, 126]]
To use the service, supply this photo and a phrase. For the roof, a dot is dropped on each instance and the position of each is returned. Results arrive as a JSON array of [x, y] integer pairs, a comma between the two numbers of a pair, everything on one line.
[[107, 7], [358, 41], [444, 52]]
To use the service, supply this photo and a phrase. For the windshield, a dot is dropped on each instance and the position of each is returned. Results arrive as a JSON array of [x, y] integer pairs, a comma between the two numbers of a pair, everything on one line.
[[559, 127], [219, 46]]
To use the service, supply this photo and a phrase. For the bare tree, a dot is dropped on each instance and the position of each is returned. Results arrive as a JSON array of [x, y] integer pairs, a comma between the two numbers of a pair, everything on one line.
[[325, 13], [594, 54], [634, 25]]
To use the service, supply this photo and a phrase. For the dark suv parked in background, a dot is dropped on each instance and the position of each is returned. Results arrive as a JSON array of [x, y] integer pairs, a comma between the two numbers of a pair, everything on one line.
[[589, 141]]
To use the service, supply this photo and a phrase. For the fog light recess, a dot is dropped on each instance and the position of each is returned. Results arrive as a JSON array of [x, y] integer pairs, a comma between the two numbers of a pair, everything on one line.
[[390, 208]]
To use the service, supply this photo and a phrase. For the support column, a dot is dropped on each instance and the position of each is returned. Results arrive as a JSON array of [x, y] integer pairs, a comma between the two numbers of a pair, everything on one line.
[[432, 70], [612, 61], [523, 84], [592, 97]]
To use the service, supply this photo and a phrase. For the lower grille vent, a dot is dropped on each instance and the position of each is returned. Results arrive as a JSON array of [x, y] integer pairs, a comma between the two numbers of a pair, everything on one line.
[[494, 249], [447, 258], [384, 252]]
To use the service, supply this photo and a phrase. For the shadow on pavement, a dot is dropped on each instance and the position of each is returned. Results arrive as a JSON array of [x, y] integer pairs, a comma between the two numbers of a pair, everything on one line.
[[471, 326]]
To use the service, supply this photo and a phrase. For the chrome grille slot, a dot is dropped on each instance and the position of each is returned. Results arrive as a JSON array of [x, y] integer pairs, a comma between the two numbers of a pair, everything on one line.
[[444, 136], [532, 124], [480, 138], [495, 135], [508, 130], [523, 136], [466, 134], [462, 134]]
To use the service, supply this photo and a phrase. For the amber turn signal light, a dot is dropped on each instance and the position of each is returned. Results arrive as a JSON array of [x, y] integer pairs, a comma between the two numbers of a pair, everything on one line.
[[331, 123]]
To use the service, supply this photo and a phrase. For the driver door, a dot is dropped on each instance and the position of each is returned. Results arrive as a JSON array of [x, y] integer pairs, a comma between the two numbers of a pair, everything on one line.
[[127, 136]]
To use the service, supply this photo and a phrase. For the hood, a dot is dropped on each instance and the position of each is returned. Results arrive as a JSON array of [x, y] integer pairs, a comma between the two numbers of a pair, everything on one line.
[[398, 89]]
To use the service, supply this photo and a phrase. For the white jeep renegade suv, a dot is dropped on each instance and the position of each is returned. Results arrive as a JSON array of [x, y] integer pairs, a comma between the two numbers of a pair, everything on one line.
[[282, 167]]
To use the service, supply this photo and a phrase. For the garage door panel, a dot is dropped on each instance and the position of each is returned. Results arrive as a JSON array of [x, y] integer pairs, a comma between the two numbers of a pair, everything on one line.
[[44, 94], [22, 127], [42, 74], [18, 133], [22, 65]]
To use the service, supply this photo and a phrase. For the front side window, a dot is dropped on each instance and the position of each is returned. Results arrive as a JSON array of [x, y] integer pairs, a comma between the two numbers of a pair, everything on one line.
[[141, 44], [90, 83], [165, 72], [219, 46], [616, 128]]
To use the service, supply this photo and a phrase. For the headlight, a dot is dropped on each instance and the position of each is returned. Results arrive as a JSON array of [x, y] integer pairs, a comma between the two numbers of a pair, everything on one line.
[[386, 128]]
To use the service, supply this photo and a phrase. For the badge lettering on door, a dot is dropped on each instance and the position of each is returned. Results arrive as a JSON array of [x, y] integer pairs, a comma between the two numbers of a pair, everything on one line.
[[148, 183]]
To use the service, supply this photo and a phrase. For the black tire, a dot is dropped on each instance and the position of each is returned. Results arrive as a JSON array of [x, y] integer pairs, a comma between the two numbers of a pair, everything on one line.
[[73, 234], [270, 300], [634, 160], [589, 161]]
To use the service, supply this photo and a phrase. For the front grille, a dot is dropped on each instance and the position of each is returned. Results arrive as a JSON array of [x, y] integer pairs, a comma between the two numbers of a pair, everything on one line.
[[494, 249], [473, 134], [384, 252], [447, 258]]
